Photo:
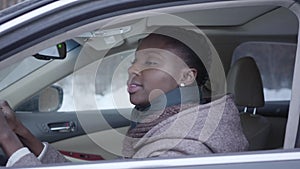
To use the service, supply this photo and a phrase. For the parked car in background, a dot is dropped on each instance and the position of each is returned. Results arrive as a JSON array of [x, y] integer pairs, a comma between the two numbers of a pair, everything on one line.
[[63, 69]]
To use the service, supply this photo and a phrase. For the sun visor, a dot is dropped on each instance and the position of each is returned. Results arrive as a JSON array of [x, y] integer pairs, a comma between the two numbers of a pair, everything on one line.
[[103, 39]]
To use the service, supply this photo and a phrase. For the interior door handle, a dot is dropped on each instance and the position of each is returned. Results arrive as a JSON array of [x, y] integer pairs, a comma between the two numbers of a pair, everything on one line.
[[62, 127]]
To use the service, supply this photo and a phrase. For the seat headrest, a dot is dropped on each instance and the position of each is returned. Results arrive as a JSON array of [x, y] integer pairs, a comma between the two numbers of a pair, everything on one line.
[[244, 82]]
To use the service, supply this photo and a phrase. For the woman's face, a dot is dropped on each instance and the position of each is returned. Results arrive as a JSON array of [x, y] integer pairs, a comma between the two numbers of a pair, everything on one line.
[[155, 70]]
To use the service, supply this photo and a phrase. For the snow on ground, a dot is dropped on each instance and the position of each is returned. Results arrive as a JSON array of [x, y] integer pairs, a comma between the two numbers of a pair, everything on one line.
[[277, 95], [116, 99]]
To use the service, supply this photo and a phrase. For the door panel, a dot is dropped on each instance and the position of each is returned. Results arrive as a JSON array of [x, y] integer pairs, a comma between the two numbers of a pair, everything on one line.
[[107, 144], [100, 126], [39, 123]]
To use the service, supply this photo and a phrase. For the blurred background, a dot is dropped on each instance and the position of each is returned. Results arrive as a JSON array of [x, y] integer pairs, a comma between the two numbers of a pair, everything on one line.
[[7, 3]]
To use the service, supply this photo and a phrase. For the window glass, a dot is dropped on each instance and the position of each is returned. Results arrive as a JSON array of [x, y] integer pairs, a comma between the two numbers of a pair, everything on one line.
[[12, 73], [18, 70], [276, 65], [110, 85]]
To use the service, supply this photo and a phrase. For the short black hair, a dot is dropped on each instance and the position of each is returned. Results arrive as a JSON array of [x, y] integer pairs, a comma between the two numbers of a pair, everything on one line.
[[184, 41]]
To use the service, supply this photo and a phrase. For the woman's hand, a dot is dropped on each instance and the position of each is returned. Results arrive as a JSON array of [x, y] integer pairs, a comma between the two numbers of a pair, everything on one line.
[[10, 116], [5, 130], [8, 139], [20, 130]]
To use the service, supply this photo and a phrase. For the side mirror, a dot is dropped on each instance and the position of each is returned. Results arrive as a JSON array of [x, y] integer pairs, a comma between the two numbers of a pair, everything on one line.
[[48, 100], [55, 52]]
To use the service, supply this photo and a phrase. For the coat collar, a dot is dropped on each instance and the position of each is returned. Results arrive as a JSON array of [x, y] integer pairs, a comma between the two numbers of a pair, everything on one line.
[[181, 95]]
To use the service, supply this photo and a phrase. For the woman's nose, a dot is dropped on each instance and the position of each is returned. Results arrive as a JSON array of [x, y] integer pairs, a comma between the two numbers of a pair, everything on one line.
[[134, 69]]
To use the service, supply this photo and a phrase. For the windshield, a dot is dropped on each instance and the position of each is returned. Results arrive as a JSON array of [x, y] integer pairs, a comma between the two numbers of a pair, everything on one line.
[[12, 73], [18, 70]]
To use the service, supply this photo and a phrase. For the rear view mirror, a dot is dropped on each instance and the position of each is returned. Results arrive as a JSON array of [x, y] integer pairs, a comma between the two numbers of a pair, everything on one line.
[[55, 52]]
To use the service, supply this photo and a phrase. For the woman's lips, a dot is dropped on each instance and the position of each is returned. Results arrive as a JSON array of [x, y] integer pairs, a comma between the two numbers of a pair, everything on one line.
[[133, 88]]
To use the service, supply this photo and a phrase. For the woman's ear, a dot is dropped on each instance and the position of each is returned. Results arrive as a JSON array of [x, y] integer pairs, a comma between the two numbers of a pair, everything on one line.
[[188, 76]]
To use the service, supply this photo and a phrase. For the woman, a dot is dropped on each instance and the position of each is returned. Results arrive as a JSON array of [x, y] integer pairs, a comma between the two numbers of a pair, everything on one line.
[[169, 118]]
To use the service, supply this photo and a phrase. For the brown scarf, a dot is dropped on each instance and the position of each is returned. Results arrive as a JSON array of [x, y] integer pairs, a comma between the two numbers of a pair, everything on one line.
[[142, 128]]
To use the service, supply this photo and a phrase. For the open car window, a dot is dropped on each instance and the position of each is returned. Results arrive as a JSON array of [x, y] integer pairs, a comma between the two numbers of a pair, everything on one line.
[[94, 74]]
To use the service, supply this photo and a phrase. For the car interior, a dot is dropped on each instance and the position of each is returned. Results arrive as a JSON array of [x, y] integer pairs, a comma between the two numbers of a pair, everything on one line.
[[245, 83], [227, 27]]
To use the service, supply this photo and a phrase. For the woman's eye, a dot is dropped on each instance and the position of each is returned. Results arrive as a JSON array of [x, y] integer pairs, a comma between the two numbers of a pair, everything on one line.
[[150, 63]]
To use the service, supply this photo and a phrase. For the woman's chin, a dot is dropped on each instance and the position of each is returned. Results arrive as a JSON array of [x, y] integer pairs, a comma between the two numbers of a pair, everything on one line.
[[138, 101]]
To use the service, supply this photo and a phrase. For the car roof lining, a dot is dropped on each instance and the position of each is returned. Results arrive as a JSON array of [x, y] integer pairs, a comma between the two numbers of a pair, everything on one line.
[[172, 9], [255, 20], [228, 16]]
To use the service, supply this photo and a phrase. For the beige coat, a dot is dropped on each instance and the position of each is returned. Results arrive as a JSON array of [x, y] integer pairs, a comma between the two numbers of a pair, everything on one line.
[[209, 128]]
